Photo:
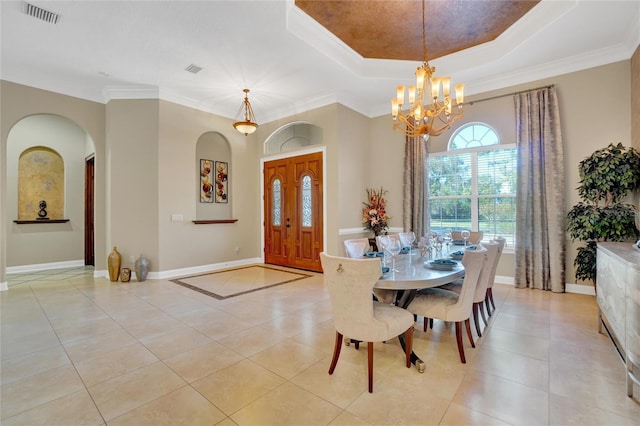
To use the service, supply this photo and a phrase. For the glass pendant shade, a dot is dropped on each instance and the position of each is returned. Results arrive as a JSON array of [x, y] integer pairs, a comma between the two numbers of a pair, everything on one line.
[[248, 125]]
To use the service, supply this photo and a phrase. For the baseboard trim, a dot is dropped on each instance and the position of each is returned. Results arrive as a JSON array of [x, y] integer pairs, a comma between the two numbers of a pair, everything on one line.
[[568, 287], [502, 279], [174, 273], [44, 266], [580, 289]]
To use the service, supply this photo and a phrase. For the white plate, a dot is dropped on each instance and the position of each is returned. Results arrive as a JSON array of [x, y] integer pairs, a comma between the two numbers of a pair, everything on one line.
[[440, 266]]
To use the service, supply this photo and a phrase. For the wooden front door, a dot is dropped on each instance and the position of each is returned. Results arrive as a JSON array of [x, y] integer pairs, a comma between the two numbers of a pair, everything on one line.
[[293, 226]]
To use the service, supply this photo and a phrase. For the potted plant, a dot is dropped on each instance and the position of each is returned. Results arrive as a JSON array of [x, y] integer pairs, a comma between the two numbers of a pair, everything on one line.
[[606, 177]]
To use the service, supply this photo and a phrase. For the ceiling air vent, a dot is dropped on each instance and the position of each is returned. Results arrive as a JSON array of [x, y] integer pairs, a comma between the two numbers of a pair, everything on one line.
[[193, 69], [40, 13]]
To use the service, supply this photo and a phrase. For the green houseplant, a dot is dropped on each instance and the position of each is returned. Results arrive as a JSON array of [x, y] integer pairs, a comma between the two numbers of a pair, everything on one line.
[[606, 177]]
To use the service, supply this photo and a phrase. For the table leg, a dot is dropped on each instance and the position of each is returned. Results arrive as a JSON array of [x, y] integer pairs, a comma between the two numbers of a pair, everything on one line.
[[419, 364]]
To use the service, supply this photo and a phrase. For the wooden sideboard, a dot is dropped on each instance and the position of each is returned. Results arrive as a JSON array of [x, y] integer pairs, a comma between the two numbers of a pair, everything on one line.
[[618, 295]]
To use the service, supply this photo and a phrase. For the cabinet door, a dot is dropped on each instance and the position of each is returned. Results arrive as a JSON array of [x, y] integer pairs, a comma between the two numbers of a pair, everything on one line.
[[610, 279]]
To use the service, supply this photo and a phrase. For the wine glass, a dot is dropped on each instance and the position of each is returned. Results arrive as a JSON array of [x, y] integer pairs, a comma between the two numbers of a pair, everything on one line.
[[384, 242], [407, 239], [393, 247], [465, 236], [448, 237]]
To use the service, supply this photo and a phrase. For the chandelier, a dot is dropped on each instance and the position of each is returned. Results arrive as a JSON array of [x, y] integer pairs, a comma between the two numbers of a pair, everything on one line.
[[249, 125], [422, 118]]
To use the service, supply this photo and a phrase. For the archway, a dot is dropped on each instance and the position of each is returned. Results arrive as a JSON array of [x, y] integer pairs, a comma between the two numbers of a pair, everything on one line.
[[48, 244]]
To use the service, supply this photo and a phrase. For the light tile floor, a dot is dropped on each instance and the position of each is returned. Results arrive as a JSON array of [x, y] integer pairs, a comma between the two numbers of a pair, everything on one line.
[[78, 350]]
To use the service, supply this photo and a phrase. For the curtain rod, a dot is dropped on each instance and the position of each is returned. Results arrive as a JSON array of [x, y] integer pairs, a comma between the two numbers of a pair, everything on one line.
[[508, 94]]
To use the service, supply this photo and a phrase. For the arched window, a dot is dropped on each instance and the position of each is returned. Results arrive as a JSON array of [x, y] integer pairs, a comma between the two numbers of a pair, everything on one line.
[[293, 136], [473, 135], [473, 184]]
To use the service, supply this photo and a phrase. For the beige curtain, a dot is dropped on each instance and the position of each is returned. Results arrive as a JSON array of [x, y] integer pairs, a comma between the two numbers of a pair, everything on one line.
[[540, 217], [415, 215]]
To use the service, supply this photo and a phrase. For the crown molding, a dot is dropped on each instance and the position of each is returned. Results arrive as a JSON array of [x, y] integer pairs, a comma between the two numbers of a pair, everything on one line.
[[130, 92]]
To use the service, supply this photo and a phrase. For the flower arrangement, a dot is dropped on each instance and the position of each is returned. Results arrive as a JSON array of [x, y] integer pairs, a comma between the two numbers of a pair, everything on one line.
[[374, 212]]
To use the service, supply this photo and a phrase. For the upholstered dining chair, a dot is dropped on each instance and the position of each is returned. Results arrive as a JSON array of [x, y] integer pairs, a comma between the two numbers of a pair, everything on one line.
[[356, 314], [487, 275], [445, 305], [488, 297], [356, 247], [474, 236]]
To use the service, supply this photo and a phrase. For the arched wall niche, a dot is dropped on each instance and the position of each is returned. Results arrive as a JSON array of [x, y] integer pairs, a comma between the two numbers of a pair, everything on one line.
[[293, 136], [40, 179], [29, 244], [213, 184]]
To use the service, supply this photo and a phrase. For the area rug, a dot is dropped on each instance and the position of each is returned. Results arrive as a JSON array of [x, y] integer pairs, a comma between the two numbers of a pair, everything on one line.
[[235, 282]]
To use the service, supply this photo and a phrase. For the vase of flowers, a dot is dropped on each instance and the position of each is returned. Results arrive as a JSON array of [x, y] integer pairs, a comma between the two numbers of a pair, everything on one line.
[[374, 212]]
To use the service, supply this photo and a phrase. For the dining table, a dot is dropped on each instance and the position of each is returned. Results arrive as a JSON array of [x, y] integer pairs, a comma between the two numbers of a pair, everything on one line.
[[411, 273]]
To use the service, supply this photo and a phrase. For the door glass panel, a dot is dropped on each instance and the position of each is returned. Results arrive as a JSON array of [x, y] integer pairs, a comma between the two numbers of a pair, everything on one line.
[[306, 201], [277, 220]]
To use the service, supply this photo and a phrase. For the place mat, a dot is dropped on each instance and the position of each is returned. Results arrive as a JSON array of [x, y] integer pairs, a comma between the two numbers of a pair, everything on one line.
[[238, 281]]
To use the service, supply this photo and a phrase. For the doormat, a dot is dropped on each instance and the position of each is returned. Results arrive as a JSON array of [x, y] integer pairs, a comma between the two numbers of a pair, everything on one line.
[[238, 281]]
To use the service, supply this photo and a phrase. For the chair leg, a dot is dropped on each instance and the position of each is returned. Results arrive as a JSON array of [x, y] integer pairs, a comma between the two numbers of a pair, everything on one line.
[[490, 293], [475, 318], [408, 344], [336, 352], [425, 324], [431, 323], [370, 363], [484, 319], [459, 340], [467, 323], [487, 304]]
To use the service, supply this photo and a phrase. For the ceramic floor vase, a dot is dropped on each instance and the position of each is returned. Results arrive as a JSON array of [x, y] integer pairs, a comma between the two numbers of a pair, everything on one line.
[[142, 268], [114, 261]]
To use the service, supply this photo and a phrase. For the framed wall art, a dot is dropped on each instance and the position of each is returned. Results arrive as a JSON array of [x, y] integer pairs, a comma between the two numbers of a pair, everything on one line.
[[221, 182], [206, 181]]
